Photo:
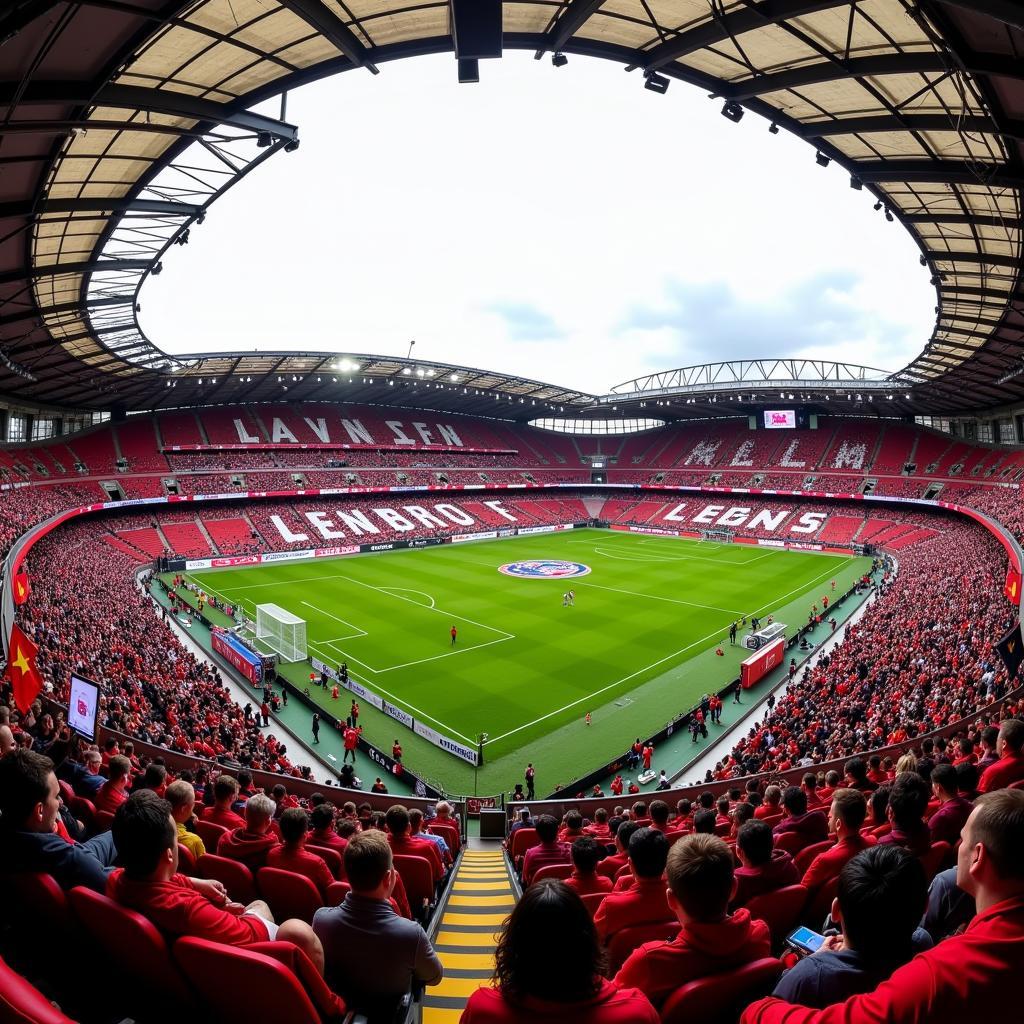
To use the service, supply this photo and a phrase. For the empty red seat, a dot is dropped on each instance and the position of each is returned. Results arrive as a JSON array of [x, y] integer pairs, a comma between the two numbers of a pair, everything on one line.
[[289, 894], [237, 878], [780, 910], [553, 871], [418, 878], [104, 819], [592, 900], [720, 998], [808, 853], [210, 833], [135, 945], [332, 858], [22, 1003], [520, 842], [84, 811], [269, 982], [934, 859], [336, 893], [791, 842]]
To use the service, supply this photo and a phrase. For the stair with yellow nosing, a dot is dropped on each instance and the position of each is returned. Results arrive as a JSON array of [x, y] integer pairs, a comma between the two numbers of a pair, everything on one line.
[[482, 897]]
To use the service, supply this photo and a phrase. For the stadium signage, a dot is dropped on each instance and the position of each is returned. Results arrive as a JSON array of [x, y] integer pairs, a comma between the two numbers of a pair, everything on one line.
[[439, 740], [398, 714], [461, 538], [380, 547], [544, 569]]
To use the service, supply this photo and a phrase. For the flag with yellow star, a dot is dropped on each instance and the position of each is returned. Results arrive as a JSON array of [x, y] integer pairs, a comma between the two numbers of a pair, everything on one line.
[[20, 586], [21, 669]]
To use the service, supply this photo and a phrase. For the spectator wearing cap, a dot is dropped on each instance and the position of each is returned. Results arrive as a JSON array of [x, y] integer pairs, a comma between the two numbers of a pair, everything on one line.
[[908, 802], [644, 902], [250, 844], [845, 817], [32, 837], [548, 851], [762, 868], [882, 895], [954, 810], [584, 878], [711, 940], [973, 976], [150, 883], [1010, 766]]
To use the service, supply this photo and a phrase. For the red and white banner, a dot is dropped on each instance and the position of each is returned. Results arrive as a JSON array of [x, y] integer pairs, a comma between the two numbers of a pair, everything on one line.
[[761, 662]]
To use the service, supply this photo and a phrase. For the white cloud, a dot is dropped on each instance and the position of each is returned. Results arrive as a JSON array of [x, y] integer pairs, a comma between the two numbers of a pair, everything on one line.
[[518, 224]]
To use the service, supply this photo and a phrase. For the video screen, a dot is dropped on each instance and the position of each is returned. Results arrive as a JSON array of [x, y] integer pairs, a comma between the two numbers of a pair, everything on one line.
[[83, 706], [780, 419]]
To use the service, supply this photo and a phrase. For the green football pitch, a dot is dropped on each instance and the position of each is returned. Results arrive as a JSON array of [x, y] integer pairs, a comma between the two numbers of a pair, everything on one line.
[[637, 648]]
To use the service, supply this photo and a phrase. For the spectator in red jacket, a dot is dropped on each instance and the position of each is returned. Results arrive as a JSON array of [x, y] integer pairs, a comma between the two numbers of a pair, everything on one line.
[[711, 940], [584, 878], [967, 977], [762, 868], [149, 882], [325, 833], [548, 967], [572, 827], [772, 803], [659, 815], [225, 789], [833, 781], [402, 842], [548, 851], [613, 864], [644, 902], [292, 854], [947, 822], [1010, 766], [250, 844], [599, 829], [908, 801], [810, 826], [845, 817], [114, 791]]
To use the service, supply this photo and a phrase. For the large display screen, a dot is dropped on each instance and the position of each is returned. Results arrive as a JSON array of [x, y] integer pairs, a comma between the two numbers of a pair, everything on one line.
[[83, 705], [779, 419]]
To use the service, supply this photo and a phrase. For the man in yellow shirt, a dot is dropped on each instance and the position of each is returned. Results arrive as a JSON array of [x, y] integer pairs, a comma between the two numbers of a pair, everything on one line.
[[182, 798]]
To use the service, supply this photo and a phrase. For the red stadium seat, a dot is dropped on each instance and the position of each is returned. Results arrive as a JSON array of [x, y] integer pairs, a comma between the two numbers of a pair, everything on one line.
[[289, 894], [808, 853], [720, 998], [104, 819], [210, 833], [336, 893], [553, 871], [780, 910], [35, 900], [269, 982], [22, 1003], [934, 859], [819, 904], [625, 940], [85, 811], [134, 944], [418, 878], [449, 832], [523, 839], [592, 900], [186, 862], [334, 861], [791, 842], [237, 878]]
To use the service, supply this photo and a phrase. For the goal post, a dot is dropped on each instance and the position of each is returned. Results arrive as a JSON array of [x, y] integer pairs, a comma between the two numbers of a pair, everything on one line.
[[281, 631], [717, 536]]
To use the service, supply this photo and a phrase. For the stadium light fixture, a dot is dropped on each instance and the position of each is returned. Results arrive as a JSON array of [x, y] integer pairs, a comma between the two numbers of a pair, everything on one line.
[[922, 260], [290, 147], [855, 183], [821, 159], [888, 215], [656, 83], [406, 372], [878, 205], [559, 60], [773, 129], [733, 111], [264, 140]]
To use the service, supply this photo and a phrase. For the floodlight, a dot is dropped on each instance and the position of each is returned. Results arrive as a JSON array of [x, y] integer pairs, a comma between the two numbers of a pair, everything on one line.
[[921, 259], [821, 159], [855, 183], [264, 140], [290, 147], [733, 111], [888, 215], [559, 60], [773, 129], [656, 83], [878, 205]]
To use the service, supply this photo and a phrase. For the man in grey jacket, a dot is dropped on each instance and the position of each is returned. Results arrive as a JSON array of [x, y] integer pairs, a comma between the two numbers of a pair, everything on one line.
[[30, 837], [372, 955]]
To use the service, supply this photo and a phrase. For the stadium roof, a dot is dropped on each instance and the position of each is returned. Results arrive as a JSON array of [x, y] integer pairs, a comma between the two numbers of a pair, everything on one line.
[[122, 120]]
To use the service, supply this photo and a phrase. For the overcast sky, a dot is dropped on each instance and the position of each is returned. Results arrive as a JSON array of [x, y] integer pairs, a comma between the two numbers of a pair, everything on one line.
[[565, 224]]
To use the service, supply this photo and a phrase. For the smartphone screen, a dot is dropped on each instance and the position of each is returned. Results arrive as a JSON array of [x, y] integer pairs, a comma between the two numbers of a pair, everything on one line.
[[807, 939]]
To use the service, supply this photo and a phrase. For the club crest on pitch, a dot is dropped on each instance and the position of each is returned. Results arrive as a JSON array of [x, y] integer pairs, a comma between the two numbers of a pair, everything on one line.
[[544, 569]]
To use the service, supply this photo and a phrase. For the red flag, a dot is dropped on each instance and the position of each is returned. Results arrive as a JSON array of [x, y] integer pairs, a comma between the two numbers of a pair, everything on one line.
[[20, 586], [1011, 588], [21, 669]]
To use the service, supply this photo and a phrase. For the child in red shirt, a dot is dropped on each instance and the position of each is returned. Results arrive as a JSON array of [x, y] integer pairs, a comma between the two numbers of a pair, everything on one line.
[[584, 878]]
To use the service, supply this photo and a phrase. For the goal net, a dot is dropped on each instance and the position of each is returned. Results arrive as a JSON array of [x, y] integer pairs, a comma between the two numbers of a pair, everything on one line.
[[281, 632], [717, 536]]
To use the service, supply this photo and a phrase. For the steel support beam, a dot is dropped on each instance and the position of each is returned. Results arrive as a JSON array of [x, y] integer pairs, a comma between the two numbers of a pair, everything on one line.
[[952, 172], [1009, 12], [317, 15], [574, 16], [153, 207], [88, 267], [909, 122]]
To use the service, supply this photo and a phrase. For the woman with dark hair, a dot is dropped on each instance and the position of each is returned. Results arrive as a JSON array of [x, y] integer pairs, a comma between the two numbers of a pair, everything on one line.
[[548, 967]]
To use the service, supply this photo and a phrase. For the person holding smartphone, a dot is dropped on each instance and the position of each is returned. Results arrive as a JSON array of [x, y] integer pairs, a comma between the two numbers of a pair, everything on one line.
[[882, 896]]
